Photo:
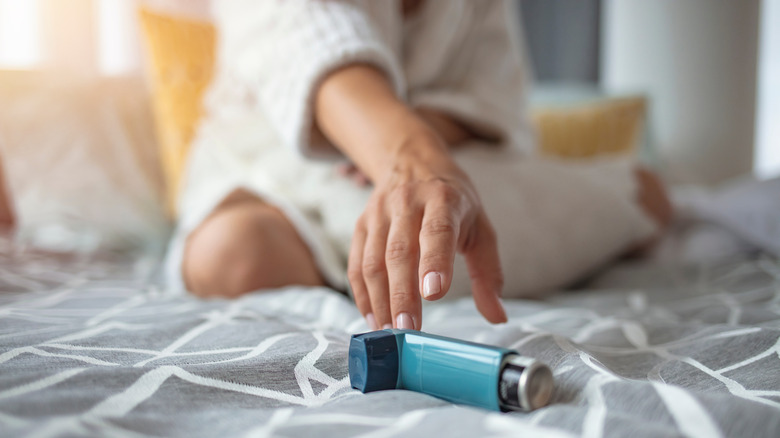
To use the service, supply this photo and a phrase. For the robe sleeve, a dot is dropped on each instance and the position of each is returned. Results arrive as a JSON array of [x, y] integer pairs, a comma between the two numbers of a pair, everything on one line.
[[284, 49], [485, 77]]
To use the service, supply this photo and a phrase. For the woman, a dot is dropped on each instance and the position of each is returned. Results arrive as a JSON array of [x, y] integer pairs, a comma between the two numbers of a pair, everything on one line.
[[425, 98]]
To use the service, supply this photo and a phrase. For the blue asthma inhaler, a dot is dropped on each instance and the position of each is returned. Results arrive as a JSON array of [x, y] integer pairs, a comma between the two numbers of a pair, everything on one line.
[[463, 372]]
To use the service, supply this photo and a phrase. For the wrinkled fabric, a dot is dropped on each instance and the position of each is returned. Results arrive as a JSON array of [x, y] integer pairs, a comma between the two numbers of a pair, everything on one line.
[[92, 346]]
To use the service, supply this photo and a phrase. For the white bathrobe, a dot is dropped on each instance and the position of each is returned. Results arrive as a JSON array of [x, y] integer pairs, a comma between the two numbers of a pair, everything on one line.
[[555, 221]]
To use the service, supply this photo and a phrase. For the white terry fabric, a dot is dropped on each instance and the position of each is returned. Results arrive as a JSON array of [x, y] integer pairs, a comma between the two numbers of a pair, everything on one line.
[[459, 56], [555, 221]]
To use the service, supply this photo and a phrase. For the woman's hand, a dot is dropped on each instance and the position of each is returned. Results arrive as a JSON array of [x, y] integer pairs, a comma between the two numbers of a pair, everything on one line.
[[447, 129], [404, 244], [422, 210]]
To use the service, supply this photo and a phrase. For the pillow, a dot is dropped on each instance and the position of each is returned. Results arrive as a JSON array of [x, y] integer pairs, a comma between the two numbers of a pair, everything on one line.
[[601, 126], [81, 162], [181, 63]]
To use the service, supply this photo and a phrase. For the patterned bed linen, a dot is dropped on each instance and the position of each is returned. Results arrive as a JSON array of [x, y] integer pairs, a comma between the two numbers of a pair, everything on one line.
[[93, 346]]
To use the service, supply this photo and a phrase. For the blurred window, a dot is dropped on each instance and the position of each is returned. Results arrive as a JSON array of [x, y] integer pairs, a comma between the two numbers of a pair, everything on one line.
[[20, 46], [767, 161], [117, 39], [77, 36]]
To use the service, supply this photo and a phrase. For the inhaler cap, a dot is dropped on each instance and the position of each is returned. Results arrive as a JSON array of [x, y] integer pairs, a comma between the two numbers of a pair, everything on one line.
[[373, 361], [525, 383]]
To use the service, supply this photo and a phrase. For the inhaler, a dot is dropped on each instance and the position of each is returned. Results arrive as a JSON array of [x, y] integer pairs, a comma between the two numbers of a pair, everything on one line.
[[457, 371]]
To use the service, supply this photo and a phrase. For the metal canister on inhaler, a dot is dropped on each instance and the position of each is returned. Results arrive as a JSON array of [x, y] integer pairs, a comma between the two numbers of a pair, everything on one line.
[[457, 371]]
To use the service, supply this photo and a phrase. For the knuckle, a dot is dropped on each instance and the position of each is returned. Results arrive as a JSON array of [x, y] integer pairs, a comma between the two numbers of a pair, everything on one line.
[[399, 297], [433, 260], [398, 251], [374, 208], [403, 194], [372, 266], [446, 193], [439, 226], [493, 276], [373, 212]]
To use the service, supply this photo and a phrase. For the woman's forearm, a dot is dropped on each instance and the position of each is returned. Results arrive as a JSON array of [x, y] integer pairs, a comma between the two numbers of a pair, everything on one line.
[[358, 112], [422, 209], [449, 129]]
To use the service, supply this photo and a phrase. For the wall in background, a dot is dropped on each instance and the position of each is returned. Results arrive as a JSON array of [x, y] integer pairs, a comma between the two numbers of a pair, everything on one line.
[[767, 161], [563, 39], [697, 60]]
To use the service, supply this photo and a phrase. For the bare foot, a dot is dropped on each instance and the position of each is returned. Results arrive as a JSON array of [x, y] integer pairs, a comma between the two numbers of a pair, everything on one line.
[[6, 212], [654, 200]]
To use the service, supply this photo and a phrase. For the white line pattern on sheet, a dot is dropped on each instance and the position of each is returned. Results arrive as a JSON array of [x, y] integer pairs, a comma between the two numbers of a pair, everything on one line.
[[90, 347], [693, 420]]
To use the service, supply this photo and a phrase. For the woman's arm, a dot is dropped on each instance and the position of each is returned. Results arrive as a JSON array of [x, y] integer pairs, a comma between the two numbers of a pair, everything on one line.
[[450, 130], [422, 210]]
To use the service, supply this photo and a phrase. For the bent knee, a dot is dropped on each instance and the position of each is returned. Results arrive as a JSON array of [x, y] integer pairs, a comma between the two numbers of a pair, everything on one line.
[[244, 249], [222, 255]]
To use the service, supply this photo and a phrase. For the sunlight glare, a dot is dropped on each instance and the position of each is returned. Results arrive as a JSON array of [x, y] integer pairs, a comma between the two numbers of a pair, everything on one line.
[[19, 35]]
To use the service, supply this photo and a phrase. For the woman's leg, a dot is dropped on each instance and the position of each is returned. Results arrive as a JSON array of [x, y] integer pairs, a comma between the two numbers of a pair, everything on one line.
[[654, 200], [246, 245], [556, 221]]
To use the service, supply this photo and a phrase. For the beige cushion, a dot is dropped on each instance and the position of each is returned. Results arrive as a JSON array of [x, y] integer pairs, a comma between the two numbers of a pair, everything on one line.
[[605, 126], [181, 63]]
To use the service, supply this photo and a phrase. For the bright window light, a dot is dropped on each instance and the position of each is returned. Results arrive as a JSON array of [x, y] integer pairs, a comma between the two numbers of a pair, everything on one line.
[[767, 161], [117, 36], [20, 45]]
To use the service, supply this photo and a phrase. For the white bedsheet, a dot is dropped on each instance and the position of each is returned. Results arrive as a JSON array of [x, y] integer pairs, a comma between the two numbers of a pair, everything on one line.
[[91, 346]]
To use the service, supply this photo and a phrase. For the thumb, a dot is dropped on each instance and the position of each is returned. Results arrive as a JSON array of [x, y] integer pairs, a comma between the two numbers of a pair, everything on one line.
[[487, 280]]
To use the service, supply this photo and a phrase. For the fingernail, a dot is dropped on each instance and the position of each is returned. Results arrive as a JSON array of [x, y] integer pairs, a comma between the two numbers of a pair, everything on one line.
[[431, 284], [404, 321], [371, 321], [387, 326]]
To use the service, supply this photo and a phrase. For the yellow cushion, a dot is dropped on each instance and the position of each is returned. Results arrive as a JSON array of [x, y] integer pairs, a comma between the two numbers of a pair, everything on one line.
[[181, 63], [604, 126]]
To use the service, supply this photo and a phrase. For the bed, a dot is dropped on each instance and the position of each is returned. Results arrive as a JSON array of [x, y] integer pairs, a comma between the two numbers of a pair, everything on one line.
[[92, 345]]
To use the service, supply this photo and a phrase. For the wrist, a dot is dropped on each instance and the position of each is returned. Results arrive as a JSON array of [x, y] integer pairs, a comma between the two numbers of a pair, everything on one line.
[[413, 148]]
